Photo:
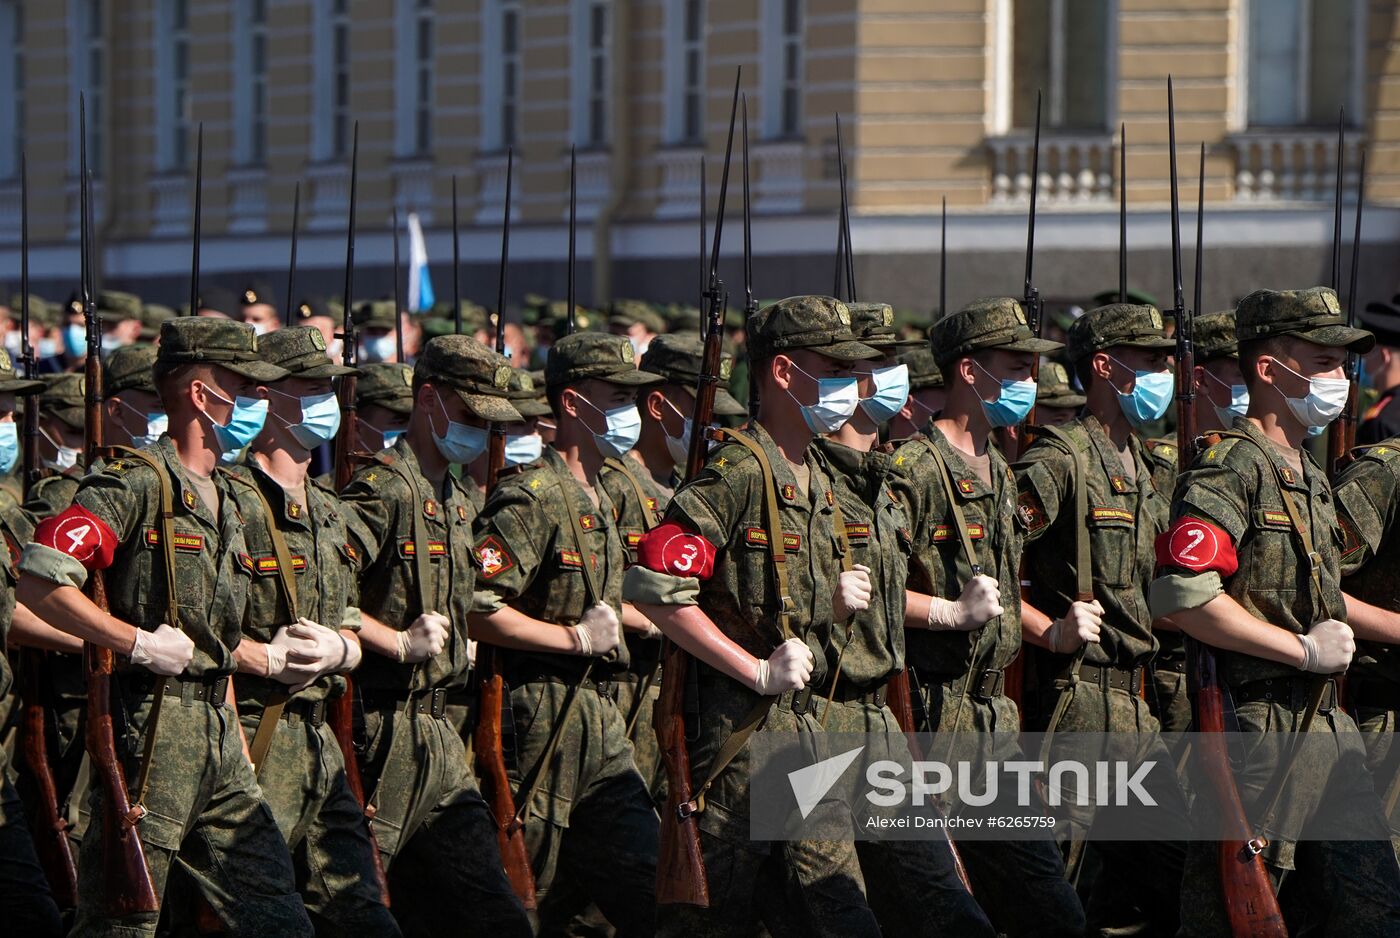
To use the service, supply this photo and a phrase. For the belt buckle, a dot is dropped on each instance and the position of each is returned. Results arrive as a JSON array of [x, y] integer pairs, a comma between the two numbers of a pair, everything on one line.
[[438, 706], [1329, 698], [982, 691], [802, 701]]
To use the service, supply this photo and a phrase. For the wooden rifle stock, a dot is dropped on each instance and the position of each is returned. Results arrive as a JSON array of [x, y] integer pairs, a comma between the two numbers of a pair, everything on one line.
[[49, 830]]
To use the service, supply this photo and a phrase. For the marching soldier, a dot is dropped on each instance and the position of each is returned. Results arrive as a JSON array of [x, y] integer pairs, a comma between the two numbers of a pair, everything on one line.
[[926, 394], [1251, 565], [435, 832], [707, 576], [61, 421], [913, 884], [384, 401], [1087, 507], [300, 634], [1056, 400], [176, 613], [959, 494], [1381, 373], [550, 593]]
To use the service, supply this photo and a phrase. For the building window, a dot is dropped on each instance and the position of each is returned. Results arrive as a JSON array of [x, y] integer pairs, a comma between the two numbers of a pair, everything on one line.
[[331, 57], [423, 98], [685, 71], [88, 54], [172, 85], [592, 47], [250, 92], [1305, 59], [784, 22], [11, 86], [1075, 92], [413, 79], [502, 55]]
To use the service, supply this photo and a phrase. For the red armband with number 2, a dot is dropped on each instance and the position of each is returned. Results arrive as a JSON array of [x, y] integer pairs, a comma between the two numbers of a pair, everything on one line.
[[81, 535], [672, 549], [1198, 546]]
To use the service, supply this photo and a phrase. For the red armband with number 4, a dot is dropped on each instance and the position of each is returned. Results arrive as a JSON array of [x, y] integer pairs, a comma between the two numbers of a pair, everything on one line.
[[672, 549], [1198, 546], [81, 535]]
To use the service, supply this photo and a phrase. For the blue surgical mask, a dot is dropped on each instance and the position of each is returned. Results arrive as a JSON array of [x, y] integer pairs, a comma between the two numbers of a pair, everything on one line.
[[462, 443], [624, 426], [1012, 403], [48, 348], [1239, 402], [156, 425], [244, 425], [1148, 400], [9, 446], [891, 391], [837, 400], [388, 437], [75, 340], [379, 348], [1363, 374], [65, 457], [523, 448], [320, 419]]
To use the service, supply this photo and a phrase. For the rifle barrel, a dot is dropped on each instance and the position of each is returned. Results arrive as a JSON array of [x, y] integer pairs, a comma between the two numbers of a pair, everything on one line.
[[292, 263]]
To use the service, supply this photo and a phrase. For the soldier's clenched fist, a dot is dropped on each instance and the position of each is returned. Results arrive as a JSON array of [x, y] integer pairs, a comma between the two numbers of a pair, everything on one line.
[[597, 631], [165, 651], [1079, 626], [852, 593], [1328, 647], [788, 668], [424, 638], [979, 603]]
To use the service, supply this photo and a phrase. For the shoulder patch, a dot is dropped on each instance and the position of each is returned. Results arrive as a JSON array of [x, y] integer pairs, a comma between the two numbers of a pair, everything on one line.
[[493, 558], [1030, 512]]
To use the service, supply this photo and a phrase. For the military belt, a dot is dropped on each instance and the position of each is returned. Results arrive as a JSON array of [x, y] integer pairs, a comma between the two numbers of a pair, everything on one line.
[[311, 712], [431, 703], [869, 696], [1175, 664], [1108, 678], [797, 701], [1373, 693], [521, 675], [1293, 693], [212, 689], [984, 684]]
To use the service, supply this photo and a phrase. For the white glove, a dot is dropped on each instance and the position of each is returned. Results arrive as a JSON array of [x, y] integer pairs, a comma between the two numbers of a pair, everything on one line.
[[471, 652], [852, 593], [597, 632], [424, 638], [337, 653], [1328, 647], [165, 651], [787, 668], [1076, 628], [294, 660], [979, 604]]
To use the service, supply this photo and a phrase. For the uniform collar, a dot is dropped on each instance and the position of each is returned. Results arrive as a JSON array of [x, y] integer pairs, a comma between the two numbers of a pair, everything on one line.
[[1109, 458]]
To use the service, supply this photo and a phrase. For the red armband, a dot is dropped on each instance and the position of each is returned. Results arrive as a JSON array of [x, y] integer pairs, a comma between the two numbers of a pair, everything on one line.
[[1197, 546], [81, 535], [672, 549]]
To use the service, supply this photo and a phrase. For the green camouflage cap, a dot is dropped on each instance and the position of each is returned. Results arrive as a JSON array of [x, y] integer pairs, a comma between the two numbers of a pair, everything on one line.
[[434, 326], [129, 369], [596, 355], [678, 359], [152, 315], [1054, 389], [301, 350], [474, 317], [115, 306], [1215, 336], [874, 323], [385, 384], [41, 310], [820, 324], [995, 322], [62, 397], [527, 396], [480, 377], [681, 317], [557, 317], [1116, 324], [628, 312], [1134, 296], [10, 380], [1312, 314], [378, 314], [923, 368], [210, 340]]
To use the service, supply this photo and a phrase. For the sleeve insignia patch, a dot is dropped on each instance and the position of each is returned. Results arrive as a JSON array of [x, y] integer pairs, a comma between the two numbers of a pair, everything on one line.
[[634, 538], [857, 531], [493, 558], [946, 532], [1111, 514], [408, 549], [758, 537], [190, 542], [1030, 512]]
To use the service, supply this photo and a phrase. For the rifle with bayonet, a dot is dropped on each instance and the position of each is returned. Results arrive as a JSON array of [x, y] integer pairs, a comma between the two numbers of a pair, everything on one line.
[[1341, 436], [1250, 904], [342, 708], [49, 830], [1030, 297], [287, 319], [127, 883], [487, 741]]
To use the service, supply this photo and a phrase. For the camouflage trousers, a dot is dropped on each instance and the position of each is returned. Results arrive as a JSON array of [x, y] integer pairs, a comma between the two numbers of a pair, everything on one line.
[[913, 885], [1343, 886], [26, 906], [1020, 884], [590, 822], [1376, 709], [436, 837], [1138, 888], [637, 705], [799, 887], [206, 817]]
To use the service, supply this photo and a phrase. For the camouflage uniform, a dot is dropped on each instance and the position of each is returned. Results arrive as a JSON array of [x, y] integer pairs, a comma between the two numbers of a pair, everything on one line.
[[204, 811], [1238, 486], [1104, 695], [303, 774], [1020, 883], [435, 832], [724, 506], [589, 818], [26, 905]]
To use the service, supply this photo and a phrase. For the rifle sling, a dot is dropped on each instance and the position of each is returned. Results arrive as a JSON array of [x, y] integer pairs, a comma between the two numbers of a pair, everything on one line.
[[286, 576], [739, 736], [648, 522], [838, 522]]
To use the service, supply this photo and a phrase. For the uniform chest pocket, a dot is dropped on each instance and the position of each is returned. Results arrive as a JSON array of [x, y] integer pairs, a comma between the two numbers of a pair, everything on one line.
[[1112, 540]]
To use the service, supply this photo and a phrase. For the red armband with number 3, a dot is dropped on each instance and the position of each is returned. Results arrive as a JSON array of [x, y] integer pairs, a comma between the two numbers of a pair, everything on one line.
[[1198, 546], [672, 549]]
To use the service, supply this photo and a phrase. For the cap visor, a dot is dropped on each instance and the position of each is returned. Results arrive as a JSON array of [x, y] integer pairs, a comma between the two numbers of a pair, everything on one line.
[[1146, 341], [400, 404], [328, 370], [1062, 400], [727, 405], [636, 378], [1353, 340], [255, 371], [532, 408], [891, 344], [75, 417], [20, 386], [494, 409], [1037, 346], [845, 351]]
